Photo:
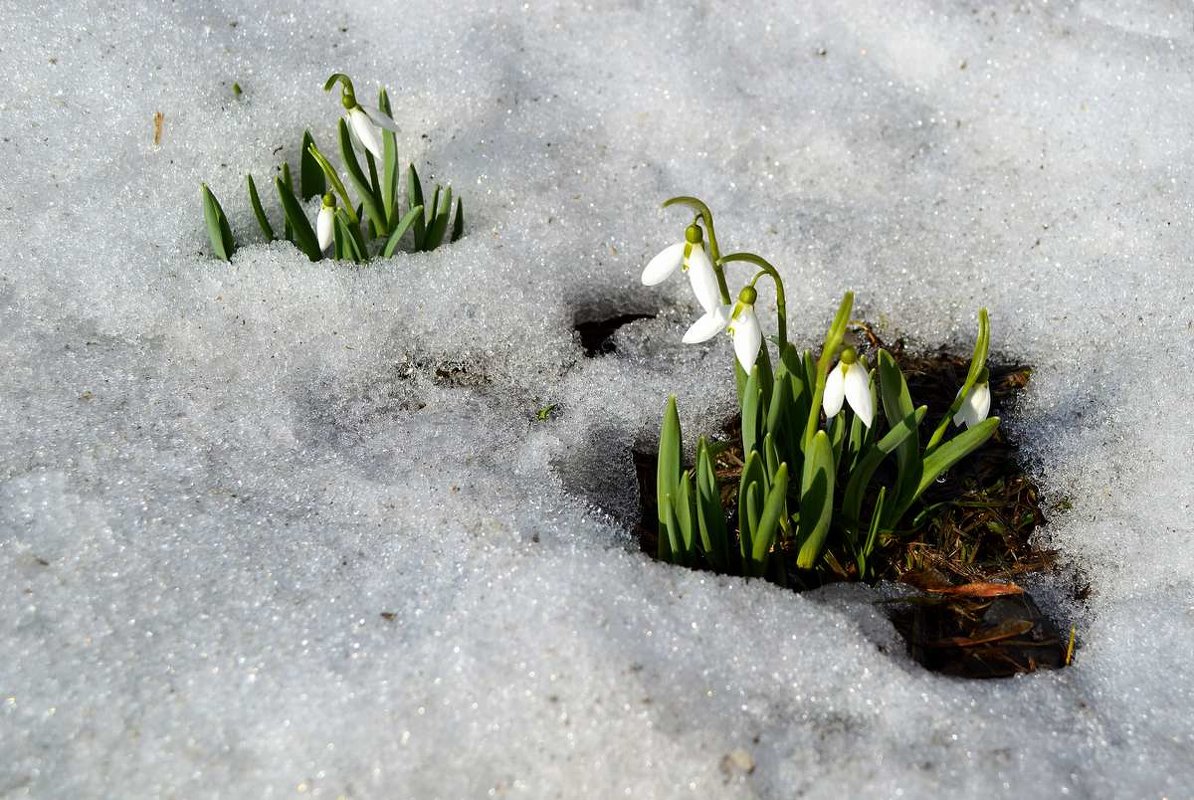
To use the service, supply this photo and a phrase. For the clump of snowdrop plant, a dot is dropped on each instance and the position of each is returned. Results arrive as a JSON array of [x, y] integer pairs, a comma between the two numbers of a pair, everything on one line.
[[814, 433], [373, 225]]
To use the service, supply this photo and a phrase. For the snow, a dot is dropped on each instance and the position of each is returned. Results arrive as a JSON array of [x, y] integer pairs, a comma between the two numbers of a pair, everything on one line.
[[253, 545]]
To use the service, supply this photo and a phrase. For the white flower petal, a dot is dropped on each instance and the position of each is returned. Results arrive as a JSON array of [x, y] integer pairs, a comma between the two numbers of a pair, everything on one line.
[[835, 392], [748, 337], [379, 117], [975, 407], [857, 384], [708, 326], [362, 127], [664, 264], [703, 278], [323, 227]]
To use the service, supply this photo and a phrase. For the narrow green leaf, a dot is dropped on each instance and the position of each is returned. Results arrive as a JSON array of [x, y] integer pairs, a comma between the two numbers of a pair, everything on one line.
[[258, 211], [711, 516], [685, 514], [752, 412], [897, 405], [816, 500], [769, 521], [770, 457], [375, 184], [779, 420], [354, 245], [439, 225], [400, 229], [304, 236], [860, 476], [872, 538], [337, 185], [311, 178], [754, 507], [389, 163], [833, 340], [458, 221], [414, 197], [359, 181], [954, 451], [218, 230], [667, 473], [432, 207], [978, 360], [287, 231], [752, 473], [669, 536]]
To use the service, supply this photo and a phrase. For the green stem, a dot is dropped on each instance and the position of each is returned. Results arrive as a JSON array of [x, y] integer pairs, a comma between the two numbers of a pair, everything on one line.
[[714, 251], [345, 83], [335, 181], [780, 299]]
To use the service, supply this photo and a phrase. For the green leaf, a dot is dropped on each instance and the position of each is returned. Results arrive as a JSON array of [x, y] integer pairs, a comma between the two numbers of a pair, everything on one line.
[[711, 517], [860, 476], [375, 185], [770, 457], [389, 163], [359, 181], [414, 197], [779, 423], [432, 207], [258, 211], [752, 473], [458, 222], [396, 236], [752, 411], [218, 231], [816, 500], [684, 513], [337, 185], [978, 360], [769, 522], [872, 537], [667, 473], [754, 504], [353, 245], [304, 237], [954, 451], [439, 225], [287, 231], [897, 405], [311, 177]]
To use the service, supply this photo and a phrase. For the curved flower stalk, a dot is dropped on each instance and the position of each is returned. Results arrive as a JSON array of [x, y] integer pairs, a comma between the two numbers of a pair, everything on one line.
[[832, 514]]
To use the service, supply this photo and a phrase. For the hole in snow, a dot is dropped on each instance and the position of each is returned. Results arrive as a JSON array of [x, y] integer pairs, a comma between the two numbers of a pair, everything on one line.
[[597, 334], [966, 534]]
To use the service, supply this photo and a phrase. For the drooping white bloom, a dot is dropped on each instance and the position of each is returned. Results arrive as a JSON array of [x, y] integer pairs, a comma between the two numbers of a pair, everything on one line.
[[849, 382], [690, 257], [746, 333], [739, 320], [362, 127], [324, 222], [977, 404]]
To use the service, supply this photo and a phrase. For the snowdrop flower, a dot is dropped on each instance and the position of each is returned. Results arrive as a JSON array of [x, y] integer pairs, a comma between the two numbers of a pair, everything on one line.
[[323, 223], [739, 320], [362, 120], [977, 403], [690, 257], [849, 381]]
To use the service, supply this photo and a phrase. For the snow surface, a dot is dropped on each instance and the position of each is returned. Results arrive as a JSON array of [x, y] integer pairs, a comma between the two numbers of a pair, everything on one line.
[[252, 546]]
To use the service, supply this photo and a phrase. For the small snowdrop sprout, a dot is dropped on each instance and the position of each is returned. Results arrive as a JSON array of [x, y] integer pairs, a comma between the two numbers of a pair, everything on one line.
[[849, 381], [818, 421], [384, 228], [977, 404]]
